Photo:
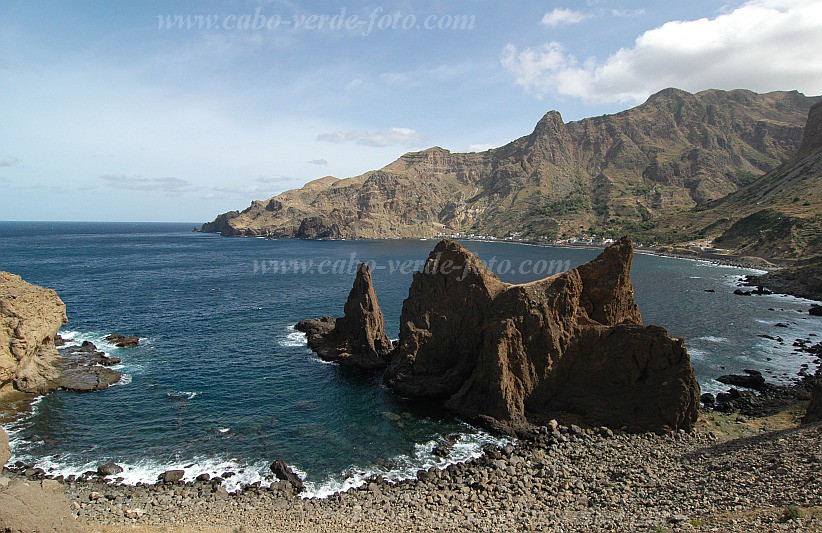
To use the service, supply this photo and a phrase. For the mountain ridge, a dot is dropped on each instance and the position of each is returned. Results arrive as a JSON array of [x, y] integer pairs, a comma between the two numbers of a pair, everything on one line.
[[607, 175]]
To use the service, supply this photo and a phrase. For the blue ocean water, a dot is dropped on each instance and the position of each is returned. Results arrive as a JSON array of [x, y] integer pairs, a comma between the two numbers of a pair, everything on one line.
[[222, 382]]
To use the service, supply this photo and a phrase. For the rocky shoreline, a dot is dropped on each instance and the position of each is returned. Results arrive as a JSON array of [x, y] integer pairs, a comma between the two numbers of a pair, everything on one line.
[[566, 479]]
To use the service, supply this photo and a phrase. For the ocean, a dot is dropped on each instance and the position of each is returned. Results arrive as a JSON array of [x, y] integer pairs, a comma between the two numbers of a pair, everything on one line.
[[221, 382]]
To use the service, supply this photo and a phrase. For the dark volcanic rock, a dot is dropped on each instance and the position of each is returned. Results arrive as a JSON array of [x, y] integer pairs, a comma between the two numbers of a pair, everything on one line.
[[815, 310], [510, 355], [123, 341], [814, 413], [751, 379], [83, 368], [358, 338], [284, 472], [109, 469]]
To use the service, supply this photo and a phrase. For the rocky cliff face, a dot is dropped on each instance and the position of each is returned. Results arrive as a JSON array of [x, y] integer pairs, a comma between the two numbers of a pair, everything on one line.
[[513, 355], [778, 214], [357, 338], [611, 174], [30, 317]]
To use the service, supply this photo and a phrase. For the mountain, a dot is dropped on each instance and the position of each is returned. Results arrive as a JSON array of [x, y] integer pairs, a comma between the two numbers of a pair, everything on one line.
[[777, 215], [612, 174]]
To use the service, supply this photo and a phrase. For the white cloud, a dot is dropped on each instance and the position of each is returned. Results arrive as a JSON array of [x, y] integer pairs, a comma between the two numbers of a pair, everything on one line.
[[480, 147], [762, 45], [9, 161], [320, 162], [561, 16], [391, 137], [170, 186], [272, 178], [628, 12]]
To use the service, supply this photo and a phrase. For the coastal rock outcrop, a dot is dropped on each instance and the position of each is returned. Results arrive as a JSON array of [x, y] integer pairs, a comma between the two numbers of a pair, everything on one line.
[[30, 361], [358, 338], [29, 319], [83, 368], [510, 356]]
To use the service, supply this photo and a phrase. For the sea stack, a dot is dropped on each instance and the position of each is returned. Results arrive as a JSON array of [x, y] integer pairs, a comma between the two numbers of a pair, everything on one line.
[[357, 338], [513, 356]]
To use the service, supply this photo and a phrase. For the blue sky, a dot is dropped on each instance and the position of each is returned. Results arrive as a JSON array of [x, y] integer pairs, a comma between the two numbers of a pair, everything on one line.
[[106, 115]]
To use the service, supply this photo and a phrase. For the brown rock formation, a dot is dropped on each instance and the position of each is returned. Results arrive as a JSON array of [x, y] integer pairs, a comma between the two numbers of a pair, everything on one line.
[[514, 355], [29, 319], [358, 338]]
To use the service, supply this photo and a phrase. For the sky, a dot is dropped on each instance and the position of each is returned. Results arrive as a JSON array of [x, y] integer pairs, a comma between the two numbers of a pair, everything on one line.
[[178, 111]]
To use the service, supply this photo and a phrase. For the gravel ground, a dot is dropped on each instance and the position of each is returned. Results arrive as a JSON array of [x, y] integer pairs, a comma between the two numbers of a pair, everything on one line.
[[567, 480]]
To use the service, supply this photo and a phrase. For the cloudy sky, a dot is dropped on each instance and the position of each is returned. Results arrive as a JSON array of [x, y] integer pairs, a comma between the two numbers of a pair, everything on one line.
[[177, 111]]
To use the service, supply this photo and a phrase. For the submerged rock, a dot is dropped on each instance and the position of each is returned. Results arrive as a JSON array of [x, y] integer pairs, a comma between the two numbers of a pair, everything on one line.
[[358, 338], [510, 355]]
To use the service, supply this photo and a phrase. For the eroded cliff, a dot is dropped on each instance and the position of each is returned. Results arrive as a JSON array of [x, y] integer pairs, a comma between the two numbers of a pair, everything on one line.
[[30, 317]]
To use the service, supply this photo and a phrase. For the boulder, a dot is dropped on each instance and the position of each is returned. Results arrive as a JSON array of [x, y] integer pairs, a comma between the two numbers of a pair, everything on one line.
[[509, 356], [358, 338], [109, 469], [814, 413], [285, 473], [122, 341], [172, 476], [815, 310], [30, 317], [5, 450]]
